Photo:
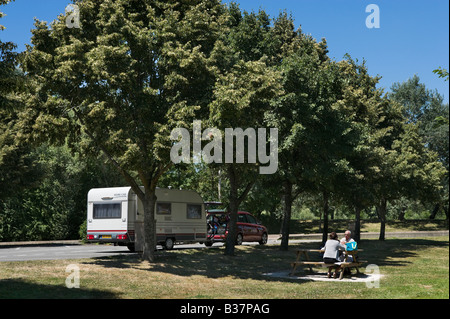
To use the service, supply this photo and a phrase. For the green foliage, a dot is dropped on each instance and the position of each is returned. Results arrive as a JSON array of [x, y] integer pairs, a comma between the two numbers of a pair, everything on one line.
[[55, 206], [130, 74], [443, 73], [430, 115], [3, 2]]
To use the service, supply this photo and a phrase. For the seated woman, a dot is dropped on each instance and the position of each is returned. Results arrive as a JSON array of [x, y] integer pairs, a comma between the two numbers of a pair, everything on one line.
[[331, 255]]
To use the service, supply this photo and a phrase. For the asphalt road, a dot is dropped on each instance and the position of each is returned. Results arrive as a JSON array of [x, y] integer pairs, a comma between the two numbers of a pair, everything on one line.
[[73, 250], [53, 252], [77, 251]]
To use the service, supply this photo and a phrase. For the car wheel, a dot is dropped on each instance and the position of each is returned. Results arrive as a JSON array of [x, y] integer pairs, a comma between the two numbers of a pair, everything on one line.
[[208, 243], [239, 239], [168, 245], [263, 240]]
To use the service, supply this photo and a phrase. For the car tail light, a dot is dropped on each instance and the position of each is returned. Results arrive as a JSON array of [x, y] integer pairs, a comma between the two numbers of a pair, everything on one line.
[[90, 237], [122, 237]]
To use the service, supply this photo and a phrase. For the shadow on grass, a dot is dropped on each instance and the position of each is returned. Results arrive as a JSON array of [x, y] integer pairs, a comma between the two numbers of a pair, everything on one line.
[[21, 289], [251, 262]]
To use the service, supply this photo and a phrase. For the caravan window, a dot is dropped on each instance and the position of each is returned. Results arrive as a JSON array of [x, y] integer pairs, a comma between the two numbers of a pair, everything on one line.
[[194, 211], [163, 208], [107, 211]]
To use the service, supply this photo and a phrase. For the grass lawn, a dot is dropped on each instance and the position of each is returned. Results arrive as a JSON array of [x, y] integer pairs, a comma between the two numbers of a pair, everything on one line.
[[412, 268], [341, 225]]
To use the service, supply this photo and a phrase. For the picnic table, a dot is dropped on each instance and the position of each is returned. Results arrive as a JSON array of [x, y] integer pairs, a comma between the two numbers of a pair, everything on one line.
[[347, 263]]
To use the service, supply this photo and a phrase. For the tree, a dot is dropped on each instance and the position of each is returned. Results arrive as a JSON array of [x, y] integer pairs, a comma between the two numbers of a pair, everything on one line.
[[247, 85], [420, 173], [297, 57], [241, 97], [370, 122], [408, 170], [17, 164], [426, 109], [119, 84], [298, 116], [338, 109]]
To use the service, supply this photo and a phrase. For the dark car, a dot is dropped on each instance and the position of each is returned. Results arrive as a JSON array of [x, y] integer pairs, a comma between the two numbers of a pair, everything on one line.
[[249, 229]]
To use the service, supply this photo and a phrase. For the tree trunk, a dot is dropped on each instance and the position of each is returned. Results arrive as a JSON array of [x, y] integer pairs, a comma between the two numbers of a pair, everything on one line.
[[149, 204], [382, 216], [357, 234], [325, 217], [401, 216], [233, 210], [435, 211], [287, 211], [446, 214], [219, 187]]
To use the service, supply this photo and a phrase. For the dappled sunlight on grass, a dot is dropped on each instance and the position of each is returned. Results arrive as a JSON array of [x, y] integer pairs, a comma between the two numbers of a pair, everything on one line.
[[412, 268]]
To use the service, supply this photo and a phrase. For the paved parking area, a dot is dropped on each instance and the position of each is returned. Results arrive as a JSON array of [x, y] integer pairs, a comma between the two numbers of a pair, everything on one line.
[[58, 251]]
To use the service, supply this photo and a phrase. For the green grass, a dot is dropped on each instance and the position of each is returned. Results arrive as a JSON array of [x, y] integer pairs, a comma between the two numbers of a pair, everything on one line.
[[313, 226], [412, 268]]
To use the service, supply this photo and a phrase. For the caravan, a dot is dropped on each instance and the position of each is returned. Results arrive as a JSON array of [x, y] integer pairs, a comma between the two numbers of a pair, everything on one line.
[[116, 215]]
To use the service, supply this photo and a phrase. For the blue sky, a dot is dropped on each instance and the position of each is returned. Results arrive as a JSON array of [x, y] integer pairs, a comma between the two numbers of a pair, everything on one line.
[[413, 37]]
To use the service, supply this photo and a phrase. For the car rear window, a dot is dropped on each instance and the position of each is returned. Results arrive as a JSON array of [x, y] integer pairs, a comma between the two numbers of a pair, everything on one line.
[[251, 219], [241, 219]]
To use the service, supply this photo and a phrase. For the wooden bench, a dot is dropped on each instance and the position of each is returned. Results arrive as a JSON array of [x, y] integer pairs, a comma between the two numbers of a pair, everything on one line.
[[345, 264]]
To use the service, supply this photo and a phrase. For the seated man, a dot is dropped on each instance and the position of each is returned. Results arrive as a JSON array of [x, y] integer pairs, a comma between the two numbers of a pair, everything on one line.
[[344, 241], [347, 237]]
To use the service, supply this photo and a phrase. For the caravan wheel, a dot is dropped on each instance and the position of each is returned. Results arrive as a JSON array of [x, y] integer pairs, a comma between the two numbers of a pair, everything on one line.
[[168, 245]]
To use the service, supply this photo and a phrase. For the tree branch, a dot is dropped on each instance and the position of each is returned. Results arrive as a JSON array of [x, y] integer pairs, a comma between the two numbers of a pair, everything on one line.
[[136, 188]]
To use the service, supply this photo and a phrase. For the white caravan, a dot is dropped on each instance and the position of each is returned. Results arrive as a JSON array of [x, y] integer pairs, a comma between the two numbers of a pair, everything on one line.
[[116, 215]]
